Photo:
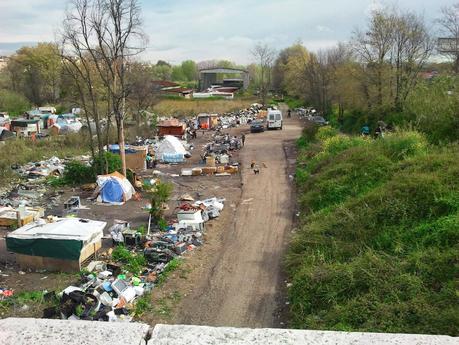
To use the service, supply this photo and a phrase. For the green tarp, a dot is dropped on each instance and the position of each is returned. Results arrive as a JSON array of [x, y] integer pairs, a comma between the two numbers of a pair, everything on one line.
[[51, 248]]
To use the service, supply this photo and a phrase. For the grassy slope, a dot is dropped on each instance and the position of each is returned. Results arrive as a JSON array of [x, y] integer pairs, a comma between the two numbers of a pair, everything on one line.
[[377, 247]]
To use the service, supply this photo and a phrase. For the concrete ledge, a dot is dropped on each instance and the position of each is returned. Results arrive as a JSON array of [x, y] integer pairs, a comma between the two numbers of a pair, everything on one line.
[[200, 335], [16, 331]]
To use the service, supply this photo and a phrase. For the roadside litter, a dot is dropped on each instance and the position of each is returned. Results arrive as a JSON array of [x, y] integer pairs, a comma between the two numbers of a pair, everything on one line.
[[111, 286]]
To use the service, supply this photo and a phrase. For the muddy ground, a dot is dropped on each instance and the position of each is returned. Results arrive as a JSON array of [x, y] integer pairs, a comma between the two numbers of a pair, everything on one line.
[[236, 277]]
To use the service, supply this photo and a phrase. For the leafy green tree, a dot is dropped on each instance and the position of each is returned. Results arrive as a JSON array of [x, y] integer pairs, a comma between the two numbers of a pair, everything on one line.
[[177, 74], [162, 71], [13, 102], [190, 70], [36, 72]]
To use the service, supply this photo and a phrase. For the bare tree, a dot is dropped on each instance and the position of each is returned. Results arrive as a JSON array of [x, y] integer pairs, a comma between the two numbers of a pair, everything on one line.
[[142, 94], [393, 50], [110, 32], [265, 58], [449, 27], [373, 46], [412, 47]]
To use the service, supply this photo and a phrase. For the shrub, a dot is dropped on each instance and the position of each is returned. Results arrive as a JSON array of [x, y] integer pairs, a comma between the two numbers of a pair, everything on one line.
[[108, 162], [326, 132], [401, 145], [78, 173]]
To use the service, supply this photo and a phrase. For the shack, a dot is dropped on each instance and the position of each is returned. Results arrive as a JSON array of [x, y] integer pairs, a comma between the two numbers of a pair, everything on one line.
[[25, 127], [5, 121], [62, 245], [207, 121], [171, 127], [135, 156]]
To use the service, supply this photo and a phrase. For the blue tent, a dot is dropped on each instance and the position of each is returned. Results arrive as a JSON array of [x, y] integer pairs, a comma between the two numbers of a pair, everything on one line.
[[112, 192]]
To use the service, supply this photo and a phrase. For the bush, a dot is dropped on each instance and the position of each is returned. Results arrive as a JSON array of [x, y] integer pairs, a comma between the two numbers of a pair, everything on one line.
[[108, 162], [326, 132], [76, 173], [401, 145]]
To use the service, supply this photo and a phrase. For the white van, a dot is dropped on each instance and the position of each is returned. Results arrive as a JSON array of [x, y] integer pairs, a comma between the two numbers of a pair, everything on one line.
[[274, 119]]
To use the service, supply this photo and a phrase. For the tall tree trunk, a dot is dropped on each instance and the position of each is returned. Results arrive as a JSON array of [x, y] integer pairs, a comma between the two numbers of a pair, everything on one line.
[[122, 146]]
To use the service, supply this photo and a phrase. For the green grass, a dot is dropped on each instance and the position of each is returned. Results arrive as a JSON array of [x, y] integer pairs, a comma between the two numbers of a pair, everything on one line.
[[166, 305], [376, 247], [172, 266]]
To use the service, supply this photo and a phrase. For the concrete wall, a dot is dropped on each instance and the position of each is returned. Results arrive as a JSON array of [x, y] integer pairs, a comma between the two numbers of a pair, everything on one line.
[[15, 331]]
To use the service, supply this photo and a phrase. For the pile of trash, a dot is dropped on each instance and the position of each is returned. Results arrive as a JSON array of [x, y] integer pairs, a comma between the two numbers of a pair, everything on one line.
[[103, 294], [108, 291], [220, 148], [241, 117], [32, 190], [53, 166]]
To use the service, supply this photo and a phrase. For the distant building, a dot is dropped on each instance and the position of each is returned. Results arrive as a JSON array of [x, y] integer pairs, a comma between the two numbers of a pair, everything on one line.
[[166, 87], [3, 62], [25, 127]]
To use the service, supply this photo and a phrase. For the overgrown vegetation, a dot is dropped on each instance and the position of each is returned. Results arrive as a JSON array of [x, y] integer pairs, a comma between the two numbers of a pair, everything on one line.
[[133, 262], [172, 265], [376, 248], [21, 151]]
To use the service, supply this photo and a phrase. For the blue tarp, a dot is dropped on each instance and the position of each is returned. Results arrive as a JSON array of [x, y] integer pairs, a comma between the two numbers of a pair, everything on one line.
[[112, 191], [115, 148], [173, 157]]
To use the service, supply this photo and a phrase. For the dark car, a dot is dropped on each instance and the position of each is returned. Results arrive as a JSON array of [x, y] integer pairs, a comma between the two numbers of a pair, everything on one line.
[[319, 120], [257, 126]]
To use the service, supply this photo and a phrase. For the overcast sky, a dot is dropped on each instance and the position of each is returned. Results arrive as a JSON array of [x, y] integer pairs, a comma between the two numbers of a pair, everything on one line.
[[211, 29]]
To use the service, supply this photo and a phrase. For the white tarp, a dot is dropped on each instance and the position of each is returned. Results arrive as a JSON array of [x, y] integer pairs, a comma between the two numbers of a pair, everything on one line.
[[170, 146], [63, 229]]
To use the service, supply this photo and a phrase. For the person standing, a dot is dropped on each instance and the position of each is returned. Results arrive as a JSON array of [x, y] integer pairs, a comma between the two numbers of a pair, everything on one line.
[[243, 139], [149, 160]]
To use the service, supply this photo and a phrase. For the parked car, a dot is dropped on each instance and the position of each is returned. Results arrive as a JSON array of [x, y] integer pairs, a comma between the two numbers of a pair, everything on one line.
[[319, 120], [257, 126]]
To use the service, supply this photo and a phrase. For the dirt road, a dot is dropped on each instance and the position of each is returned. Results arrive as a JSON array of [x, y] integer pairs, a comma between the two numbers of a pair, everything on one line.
[[242, 286]]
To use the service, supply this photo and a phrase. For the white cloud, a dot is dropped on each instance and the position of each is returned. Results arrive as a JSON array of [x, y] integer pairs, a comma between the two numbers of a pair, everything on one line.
[[323, 28], [209, 29]]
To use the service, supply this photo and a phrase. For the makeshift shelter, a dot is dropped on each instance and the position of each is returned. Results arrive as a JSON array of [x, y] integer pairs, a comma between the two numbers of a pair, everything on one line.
[[207, 121], [171, 127], [135, 156], [58, 246], [25, 127], [114, 189], [171, 150]]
